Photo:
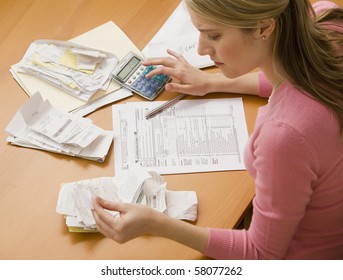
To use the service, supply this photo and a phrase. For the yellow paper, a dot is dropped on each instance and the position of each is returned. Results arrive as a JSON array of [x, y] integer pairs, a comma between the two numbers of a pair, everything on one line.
[[69, 59]]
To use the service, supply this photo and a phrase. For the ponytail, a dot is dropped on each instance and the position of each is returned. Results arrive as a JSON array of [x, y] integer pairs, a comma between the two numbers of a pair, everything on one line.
[[309, 54]]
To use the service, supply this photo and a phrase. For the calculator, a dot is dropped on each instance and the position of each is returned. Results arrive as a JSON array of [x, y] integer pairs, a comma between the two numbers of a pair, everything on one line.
[[130, 73]]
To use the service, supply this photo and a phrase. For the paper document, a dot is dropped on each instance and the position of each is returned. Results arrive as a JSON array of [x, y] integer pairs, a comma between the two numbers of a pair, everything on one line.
[[109, 98], [106, 38], [75, 199], [191, 136], [178, 34], [182, 205], [40, 126], [78, 70]]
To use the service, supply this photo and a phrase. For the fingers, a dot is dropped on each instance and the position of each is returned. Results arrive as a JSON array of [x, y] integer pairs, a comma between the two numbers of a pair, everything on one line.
[[105, 222], [183, 88], [175, 87], [110, 205], [166, 61], [163, 70], [102, 227], [101, 216], [176, 55]]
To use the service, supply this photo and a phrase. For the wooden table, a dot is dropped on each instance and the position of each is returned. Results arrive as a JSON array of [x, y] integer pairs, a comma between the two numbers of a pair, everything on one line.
[[30, 180]]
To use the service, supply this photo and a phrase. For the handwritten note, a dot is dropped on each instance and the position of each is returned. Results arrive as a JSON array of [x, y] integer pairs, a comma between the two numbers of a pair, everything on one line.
[[184, 39]]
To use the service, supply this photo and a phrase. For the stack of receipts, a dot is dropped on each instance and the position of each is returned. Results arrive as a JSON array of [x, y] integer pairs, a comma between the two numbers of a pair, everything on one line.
[[40, 126], [78, 70], [75, 200]]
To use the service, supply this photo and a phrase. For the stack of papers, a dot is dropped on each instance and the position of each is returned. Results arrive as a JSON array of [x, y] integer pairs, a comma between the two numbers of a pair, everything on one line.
[[106, 38], [75, 200], [78, 70], [40, 126]]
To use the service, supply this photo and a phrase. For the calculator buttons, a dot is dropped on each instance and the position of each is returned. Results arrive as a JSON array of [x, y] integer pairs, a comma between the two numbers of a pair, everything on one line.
[[148, 87], [149, 69], [161, 77]]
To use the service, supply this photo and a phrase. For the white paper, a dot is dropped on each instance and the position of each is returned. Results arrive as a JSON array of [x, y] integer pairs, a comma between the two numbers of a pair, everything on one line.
[[182, 205], [54, 62], [178, 34], [155, 192], [94, 105], [38, 125], [191, 136], [75, 199], [107, 37], [130, 184], [84, 195]]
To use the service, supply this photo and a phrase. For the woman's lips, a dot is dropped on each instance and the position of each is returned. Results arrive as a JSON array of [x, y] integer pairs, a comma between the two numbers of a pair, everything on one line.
[[218, 64]]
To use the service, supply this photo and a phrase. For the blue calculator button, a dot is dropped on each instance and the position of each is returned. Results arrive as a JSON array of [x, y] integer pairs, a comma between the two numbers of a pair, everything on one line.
[[148, 69], [157, 84], [160, 77], [150, 82]]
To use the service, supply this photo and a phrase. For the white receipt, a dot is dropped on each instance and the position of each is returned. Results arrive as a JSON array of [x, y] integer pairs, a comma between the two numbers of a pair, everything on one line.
[[182, 205], [75, 200], [38, 125]]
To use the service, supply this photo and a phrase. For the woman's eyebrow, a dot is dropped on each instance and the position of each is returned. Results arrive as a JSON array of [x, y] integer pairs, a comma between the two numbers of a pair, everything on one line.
[[208, 30]]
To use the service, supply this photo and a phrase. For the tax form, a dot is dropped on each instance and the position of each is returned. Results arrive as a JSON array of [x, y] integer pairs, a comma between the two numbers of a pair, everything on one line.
[[191, 136]]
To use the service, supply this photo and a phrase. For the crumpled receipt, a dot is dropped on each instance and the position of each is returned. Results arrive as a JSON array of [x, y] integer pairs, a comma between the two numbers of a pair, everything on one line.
[[182, 205], [75, 199]]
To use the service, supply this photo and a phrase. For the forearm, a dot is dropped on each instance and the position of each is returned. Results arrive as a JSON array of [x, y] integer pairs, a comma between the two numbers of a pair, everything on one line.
[[246, 84], [180, 231]]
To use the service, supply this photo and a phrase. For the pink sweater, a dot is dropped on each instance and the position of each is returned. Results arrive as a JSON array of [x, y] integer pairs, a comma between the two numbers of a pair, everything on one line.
[[296, 158]]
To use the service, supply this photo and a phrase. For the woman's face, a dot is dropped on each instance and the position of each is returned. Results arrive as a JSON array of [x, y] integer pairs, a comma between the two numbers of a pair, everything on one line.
[[235, 52]]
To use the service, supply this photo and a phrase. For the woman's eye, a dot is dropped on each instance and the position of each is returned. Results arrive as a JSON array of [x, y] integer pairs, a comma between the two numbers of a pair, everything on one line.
[[213, 37]]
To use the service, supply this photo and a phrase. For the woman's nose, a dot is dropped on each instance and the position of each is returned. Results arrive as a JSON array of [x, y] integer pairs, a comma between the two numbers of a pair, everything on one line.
[[203, 47]]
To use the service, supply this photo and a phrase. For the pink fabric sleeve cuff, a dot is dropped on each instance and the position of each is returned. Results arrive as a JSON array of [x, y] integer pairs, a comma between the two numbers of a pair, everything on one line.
[[219, 243]]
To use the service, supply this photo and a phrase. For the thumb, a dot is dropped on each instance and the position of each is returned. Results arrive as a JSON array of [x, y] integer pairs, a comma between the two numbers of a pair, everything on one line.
[[175, 87], [106, 204]]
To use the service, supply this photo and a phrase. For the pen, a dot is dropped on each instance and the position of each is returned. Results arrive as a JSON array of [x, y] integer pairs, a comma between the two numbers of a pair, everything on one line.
[[163, 106]]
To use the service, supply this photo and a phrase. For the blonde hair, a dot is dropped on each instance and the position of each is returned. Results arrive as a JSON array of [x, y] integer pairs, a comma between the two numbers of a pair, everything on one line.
[[306, 52]]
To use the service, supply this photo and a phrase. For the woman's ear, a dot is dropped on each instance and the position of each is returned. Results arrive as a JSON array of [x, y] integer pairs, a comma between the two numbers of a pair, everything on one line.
[[264, 29]]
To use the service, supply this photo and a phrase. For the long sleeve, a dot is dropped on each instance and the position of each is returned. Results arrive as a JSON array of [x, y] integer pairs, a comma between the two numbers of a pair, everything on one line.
[[283, 174]]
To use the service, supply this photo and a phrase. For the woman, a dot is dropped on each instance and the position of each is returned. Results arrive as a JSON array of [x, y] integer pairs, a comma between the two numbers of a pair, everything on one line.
[[295, 153]]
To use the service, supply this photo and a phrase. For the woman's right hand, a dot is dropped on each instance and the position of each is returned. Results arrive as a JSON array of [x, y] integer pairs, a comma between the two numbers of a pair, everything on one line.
[[134, 219], [192, 81]]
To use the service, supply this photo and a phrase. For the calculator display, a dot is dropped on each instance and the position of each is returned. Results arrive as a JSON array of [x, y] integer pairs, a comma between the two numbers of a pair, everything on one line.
[[129, 67]]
